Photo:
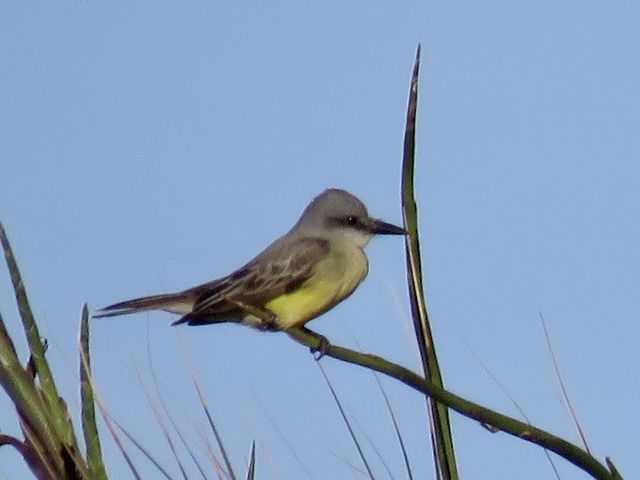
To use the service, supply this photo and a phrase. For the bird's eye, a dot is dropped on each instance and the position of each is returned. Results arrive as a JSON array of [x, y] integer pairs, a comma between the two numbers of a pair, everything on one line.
[[352, 220]]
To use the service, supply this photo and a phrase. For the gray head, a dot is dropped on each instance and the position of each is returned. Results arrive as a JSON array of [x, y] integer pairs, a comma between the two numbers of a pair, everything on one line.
[[337, 213]]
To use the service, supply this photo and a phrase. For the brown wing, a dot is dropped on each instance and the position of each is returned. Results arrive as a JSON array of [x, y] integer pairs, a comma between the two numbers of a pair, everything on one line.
[[281, 268]]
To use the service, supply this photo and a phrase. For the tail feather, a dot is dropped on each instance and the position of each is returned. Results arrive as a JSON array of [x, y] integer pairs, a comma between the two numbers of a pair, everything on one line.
[[172, 302]]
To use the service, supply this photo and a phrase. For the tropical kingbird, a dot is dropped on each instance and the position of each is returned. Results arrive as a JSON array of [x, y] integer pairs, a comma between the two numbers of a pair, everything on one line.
[[301, 275]]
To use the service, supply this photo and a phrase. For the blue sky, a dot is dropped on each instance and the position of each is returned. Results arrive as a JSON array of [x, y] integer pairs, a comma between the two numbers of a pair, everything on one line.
[[153, 146]]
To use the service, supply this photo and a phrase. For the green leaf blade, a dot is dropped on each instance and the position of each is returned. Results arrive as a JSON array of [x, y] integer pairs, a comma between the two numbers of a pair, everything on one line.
[[89, 426], [62, 426], [441, 435]]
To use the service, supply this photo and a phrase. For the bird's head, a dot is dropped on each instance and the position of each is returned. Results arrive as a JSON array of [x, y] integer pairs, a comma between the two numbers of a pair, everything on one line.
[[336, 213]]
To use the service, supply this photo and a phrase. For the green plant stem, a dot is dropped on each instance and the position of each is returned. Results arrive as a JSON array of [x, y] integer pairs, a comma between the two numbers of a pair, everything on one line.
[[31, 408], [524, 431]]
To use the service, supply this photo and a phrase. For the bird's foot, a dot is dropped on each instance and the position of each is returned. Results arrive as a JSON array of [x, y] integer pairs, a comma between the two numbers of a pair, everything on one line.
[[270, 323], [301, 333], [323, 347]]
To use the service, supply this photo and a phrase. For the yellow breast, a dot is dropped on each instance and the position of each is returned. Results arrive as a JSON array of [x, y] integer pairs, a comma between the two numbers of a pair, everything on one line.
[[334, 278]]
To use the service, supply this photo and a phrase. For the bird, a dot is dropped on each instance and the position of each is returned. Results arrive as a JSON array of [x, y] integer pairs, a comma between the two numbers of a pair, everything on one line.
[[318, 263]]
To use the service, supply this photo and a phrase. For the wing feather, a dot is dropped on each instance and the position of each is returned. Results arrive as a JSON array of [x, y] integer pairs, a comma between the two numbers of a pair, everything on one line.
[[281, 268]]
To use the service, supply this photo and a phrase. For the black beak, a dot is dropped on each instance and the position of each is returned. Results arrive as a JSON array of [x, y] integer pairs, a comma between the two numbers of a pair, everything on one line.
[[383, 228]]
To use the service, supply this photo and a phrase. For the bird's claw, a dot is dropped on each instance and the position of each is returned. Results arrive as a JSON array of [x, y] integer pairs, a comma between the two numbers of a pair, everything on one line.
[[270, 323], [322, 349]]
